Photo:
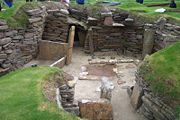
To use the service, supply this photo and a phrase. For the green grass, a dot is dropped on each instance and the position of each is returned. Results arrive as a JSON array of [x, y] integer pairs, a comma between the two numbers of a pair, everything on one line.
[[15, 16], [162, 71], [21, 96], [142, 9]]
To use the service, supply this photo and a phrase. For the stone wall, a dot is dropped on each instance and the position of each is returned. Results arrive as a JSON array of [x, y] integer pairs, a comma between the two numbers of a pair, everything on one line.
[[56, 27], [18, 46], [166, 34], [128, 40], [49, 50], [150, 105]]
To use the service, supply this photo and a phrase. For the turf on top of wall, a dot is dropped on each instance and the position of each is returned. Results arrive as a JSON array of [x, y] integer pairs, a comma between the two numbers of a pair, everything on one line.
[[162, 71]]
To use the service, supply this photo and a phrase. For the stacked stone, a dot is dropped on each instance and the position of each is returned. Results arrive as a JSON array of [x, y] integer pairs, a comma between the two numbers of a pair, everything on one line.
[[67, 90], [120, 17], [151, 106], [166, 34], [133, 41], [81, 15], [56, 28], [107, 38], [18, 46]]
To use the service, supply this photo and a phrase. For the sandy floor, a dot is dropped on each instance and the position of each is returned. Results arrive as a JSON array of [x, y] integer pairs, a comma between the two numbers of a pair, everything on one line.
[[86, 89]]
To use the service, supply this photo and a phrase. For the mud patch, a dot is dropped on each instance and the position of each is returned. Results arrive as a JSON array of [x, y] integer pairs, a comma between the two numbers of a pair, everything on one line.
[[101, 70]]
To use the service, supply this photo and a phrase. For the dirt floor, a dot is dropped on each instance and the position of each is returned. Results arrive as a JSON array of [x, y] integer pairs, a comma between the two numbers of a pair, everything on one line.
[[39, 63], [88, 89]]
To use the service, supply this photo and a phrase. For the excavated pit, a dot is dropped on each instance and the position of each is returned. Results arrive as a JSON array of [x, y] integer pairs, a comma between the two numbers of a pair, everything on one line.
[[88, 89]]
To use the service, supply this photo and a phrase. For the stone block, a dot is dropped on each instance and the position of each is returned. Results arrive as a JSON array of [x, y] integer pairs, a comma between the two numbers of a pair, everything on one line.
[[74, 110], [5, 41], [4, 27], [3, 56], [11, 33], [96, 110], [137, 93], [18, 37], [108, 21], [33, 20], [29, 35]]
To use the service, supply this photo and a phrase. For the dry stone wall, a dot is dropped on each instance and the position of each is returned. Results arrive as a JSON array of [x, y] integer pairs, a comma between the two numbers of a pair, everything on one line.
[[147, 103], [19, 46], [166, 34], [56, 27]]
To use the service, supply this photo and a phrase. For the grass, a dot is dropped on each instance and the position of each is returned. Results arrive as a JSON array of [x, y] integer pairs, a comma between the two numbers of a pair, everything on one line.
[[15, 16], [142, 10], [21, 96], [149, 12], [161, 70]]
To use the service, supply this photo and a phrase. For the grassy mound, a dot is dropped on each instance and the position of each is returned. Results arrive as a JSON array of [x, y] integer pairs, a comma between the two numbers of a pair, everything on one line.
[[21, 96], [15, 16], [162, 71]]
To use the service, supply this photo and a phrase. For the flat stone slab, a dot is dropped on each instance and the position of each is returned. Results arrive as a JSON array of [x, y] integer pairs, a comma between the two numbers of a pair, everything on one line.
[[96, 110]]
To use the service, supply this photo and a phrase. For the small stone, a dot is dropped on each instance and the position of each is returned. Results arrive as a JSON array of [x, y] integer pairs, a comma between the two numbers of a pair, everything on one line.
[[4, 27], [29, 35], [71, 83], [18, 37], [5, 41], [108, 21], [3, 56], [33, 20], [8, 51]]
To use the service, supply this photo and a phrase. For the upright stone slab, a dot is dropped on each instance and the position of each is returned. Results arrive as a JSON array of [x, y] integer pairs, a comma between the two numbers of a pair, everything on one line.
[[136, 96], [148, 42]]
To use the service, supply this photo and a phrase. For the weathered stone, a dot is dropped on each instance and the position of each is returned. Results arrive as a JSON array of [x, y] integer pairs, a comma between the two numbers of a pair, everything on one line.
[[129, 21], [29, 35], [4, 27], [136, 96], [106, 88], [18, 37], [139, 37], [108, 21], [161, 22], [37, 19], [5, 41], [3, 22], [74, 110], [8, 51], [34, 12], [130, 90], [148, 41], [96, 110], [64, 11], [11, 33], [6, 65], [71, 83], [106, 14], [2, 35]]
